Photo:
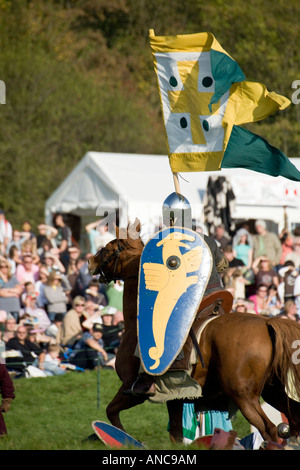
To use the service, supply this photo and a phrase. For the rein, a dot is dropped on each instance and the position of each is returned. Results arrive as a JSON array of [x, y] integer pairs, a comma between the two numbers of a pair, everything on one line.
[[115, 255], [104, 262]]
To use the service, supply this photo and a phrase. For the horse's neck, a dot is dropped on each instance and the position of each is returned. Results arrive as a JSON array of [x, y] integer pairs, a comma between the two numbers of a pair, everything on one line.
[[130, 293], [130, 302]]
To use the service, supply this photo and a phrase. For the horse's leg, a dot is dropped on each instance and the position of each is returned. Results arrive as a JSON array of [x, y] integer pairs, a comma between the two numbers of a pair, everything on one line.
[[119, 403], [275, 395], [253, 412], [175, 409]]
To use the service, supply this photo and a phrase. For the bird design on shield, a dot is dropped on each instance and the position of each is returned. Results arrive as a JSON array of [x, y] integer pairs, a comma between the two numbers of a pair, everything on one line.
[[170, 280]]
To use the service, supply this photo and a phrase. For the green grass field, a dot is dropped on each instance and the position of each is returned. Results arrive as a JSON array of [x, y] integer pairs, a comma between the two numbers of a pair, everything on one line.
[[56, 413]]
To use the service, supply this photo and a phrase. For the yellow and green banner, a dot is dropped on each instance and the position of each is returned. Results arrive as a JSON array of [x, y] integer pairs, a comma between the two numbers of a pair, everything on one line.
[[205, 98]]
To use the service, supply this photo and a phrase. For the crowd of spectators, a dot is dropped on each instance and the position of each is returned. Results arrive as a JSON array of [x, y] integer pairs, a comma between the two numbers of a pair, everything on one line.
[[264, 268], [54, 315]]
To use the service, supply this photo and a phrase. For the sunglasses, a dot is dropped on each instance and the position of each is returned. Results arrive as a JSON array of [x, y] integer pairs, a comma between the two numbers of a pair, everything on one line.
[[79, 305], [3, 266]]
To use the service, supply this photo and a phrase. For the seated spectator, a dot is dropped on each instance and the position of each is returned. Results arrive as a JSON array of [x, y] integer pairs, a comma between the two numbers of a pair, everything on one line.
[[29, 352], [240, 306], [10, 327], [92, 293], [71, 329], [260, 299], [289, 311], [52, 363], [37, 336], [111, 337], [38, 316], [55, 295], [29, 288], [89, 351], [27, 271], [274, 304], [10, 290], [286, 241], [53, 329]]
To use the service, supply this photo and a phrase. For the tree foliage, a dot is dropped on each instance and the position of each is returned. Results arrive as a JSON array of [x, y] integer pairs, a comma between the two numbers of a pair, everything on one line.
[[79, 76]]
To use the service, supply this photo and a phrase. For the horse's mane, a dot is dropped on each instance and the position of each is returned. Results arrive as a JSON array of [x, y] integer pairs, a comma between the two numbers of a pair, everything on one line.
[[131, 238]]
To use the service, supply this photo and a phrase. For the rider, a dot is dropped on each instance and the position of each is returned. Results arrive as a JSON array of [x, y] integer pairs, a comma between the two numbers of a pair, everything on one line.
[[144, 386]]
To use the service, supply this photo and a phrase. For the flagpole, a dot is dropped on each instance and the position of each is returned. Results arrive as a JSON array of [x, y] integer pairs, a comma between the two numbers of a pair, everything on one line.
[[176, 183]]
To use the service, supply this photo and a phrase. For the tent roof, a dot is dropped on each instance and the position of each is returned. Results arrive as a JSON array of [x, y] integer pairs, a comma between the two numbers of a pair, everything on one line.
[[145, 181]]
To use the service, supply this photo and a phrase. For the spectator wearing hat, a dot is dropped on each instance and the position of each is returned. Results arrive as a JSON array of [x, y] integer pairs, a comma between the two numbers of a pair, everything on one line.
[[89, 351], [266, 243], [111, 336]]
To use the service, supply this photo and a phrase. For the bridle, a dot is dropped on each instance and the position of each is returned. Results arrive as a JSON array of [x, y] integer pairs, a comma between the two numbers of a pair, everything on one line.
[[104, 262]]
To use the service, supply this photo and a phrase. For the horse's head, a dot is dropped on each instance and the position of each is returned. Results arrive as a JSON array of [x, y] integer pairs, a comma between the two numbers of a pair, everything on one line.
[[119, 259]]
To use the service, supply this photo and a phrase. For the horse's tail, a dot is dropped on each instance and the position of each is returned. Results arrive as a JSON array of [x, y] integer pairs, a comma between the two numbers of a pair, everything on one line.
[[286, 363]]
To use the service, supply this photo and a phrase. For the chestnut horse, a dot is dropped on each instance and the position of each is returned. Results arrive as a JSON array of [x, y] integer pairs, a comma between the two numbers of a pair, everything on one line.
[[245, 356]]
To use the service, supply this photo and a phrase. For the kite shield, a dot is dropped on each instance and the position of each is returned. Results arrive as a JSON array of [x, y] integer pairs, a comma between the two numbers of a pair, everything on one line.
[[175, 267]]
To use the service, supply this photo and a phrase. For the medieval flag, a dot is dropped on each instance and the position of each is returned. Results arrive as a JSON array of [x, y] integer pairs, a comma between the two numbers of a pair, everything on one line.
[[205, 98]]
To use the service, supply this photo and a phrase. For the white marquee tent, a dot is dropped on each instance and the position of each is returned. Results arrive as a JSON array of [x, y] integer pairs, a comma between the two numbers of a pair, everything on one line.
[[143, 182]]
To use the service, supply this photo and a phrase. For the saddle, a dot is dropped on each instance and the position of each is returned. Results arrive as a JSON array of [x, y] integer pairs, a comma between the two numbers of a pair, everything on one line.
[[217, 303]]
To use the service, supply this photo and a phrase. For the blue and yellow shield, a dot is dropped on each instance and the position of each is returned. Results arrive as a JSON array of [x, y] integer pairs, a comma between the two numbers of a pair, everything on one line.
[[175, 267]]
